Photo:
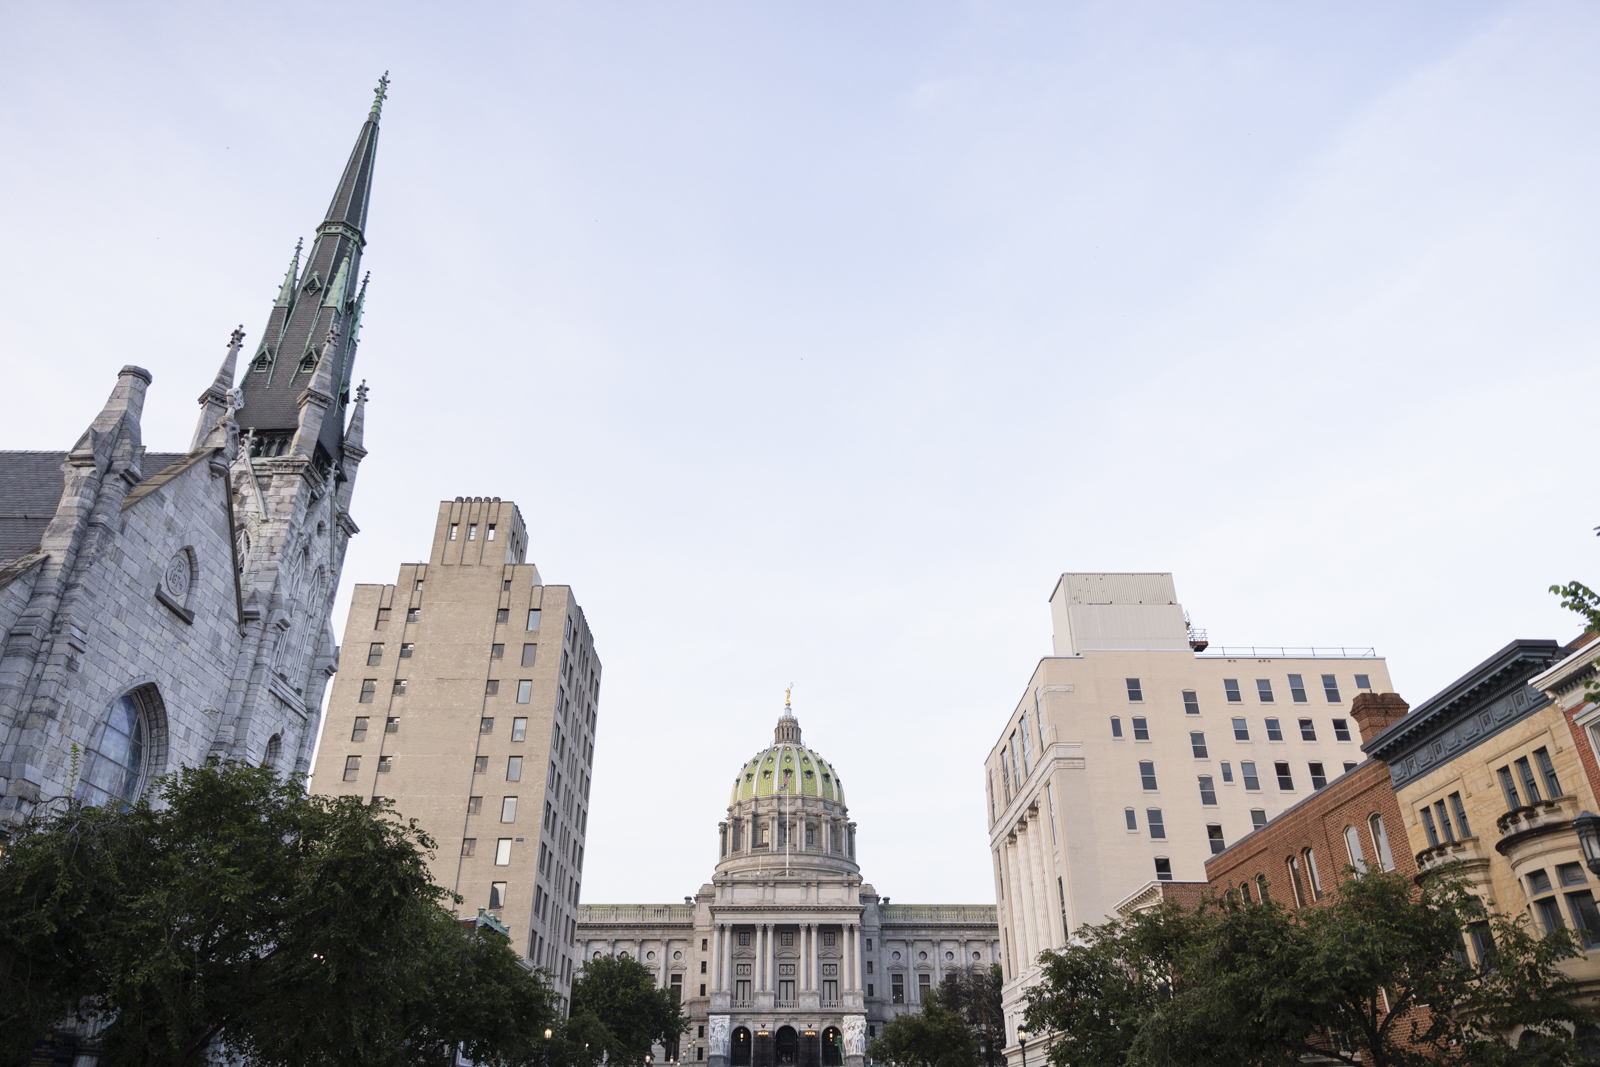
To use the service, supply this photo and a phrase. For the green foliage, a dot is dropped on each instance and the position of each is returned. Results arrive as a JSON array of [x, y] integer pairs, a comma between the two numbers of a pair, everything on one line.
[[619, 1012], [937, 1036], [236, 909], [973, 992], [1378, 976], [1575, 596]]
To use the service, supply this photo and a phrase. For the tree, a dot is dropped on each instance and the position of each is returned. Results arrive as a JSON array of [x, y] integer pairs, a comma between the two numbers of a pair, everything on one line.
[[936, 1036], [1379, 976], [973, 992], [1575, 596], [233, 909], [616, 1003]]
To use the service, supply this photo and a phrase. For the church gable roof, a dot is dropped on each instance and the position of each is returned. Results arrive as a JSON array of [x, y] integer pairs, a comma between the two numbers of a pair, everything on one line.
[[31, 484]]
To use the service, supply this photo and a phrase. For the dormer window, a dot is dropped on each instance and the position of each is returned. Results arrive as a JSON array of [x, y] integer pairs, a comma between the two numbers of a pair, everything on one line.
[[308, 363], [314, 283], [263, 361]]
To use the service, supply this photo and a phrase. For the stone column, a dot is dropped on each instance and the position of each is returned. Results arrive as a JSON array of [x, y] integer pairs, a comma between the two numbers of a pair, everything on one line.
[[766, 957], [1029, 911], [855, 958], [1049, 921]]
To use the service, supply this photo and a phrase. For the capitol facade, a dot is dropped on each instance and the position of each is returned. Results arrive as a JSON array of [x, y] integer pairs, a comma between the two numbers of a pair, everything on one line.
[[786, 957]]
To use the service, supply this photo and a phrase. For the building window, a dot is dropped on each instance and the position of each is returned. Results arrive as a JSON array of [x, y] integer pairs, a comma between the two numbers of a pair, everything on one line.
[[497, 890], [1241, 730], [359, 733], [502, 615], [453, 527], [1330, 687], [1380, 841], [406, 649], [472, 531], [1132, 818], [1341, 730], [490, 533], [1461, 814], [352, 768], [519, 728], [514, 769], [533, 619], [1163, 869], [369, 689], [1116, 731], [1292, 868], [1215, 839], [1247, 770], [486, 725], [897, 989], [1197, 744], [480, 764], [1135, 694], [1297, 689], [413, 615], [474, 805], [469, 845], [1548, 771], [502, 852], [1312, 875], [1444, 821], [385, 764], [1264, 690], [1274, 730], [1509, 788], [1530, 788], [383, 617], [508, 809], [497, 651], [1428, 826], [1147, 774], [1258, 819], [399, 687], [1191, 702], [375, 654], [1158, 828], [1349, 765], [391, 725], [1319, 778], [1585, 917], [1141, 729], [1362, 682], [1227, 772], [1230, 686], [1352, 845], [1549, 914], [1308, 730], [528, 652], [524, 691], [744, 942], [492, 687], [1208, 791], [1285, 779]]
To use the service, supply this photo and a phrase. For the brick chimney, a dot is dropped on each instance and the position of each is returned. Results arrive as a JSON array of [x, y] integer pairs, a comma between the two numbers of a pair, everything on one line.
[[1375, 712]]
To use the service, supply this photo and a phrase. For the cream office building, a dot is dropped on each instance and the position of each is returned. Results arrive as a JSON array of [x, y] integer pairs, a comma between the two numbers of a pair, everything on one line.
[[1137, 751]]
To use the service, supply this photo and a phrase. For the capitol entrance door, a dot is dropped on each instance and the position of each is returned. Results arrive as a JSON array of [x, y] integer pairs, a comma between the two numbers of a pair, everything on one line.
[[831, 1055], [764, 1056], [788, 1046], [810, 1049]]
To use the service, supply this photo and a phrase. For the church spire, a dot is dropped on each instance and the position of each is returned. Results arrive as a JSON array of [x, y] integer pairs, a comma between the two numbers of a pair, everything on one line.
[[280, 371]]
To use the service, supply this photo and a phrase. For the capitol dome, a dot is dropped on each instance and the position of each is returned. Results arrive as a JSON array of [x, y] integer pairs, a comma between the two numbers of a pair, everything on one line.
[[787, 769]]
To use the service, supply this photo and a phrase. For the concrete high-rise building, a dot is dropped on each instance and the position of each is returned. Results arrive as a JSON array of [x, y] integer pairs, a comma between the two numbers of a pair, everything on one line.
[[1137, 751], [469, 699]]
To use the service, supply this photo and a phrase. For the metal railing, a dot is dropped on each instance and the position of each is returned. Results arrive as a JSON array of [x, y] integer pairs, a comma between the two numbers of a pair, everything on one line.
[[938, 913], [635, 913], [1286, 652]]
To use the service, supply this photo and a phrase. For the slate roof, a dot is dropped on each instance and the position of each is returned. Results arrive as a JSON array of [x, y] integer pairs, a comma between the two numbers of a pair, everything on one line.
[[30, 491]]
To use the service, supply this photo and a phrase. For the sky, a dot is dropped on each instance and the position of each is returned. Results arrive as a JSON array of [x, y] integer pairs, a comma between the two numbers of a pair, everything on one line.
[[816, 340]]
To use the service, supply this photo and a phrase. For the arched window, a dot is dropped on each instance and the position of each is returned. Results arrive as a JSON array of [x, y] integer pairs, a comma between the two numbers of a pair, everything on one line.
[[1380, 842], [1312, 874], [1352, 844], [274, 750], [739, 1048], [1292, 865], [1261, 887], [114, 771]]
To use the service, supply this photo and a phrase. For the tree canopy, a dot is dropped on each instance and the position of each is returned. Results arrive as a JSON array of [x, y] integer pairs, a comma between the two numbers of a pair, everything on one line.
[[229, 907], [936, 1036], [1379, 976], [619, 1013]]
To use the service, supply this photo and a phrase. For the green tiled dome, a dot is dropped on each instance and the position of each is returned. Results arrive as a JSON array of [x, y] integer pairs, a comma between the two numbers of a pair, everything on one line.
[[787, 769]]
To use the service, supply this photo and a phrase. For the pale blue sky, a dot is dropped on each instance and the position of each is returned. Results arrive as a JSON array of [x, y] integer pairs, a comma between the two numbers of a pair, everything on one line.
[[815, 340]]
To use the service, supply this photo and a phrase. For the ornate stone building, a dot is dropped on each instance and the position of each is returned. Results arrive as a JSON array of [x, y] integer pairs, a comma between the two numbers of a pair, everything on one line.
[[786, 956], [162, 607]]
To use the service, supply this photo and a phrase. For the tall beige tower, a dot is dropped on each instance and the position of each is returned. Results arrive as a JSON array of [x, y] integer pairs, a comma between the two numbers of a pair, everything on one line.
[[468, 697]]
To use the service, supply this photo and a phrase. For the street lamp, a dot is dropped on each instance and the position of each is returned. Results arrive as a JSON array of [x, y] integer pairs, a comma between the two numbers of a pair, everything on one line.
[[1022, 1042], [1588, 827], [547, 1046]]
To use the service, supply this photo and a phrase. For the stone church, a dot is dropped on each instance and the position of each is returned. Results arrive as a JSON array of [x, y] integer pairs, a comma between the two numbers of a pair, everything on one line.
[[159, 608], [787, 956]]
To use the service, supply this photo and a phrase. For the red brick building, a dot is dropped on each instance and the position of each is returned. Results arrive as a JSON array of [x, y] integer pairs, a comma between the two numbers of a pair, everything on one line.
[[1301, 856]]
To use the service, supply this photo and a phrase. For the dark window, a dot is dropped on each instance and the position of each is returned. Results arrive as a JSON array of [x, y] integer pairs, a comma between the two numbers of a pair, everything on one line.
[[385, 764], [1158, 828], [1538, 882], [406, 650], [383, 616], [1141, 729], [1428, 827], [1308, 730], [486, 725], [1197, 744], [1444, 821], [1264, 690], [1131, 817], [399, 687], [375, 654], [413, 615], [528, 652], [1134, 692], [469, 845], [1274, 730], [1208, 791], [1297, 689], [1585, 917], [1285, 779], [1163, 869], [1530, 788], [1362, 682], [352, 768], [519, 728], [1482, 944], [1258, 819], [1214, 835], [492, 687], [1230, 686], [1349, 765], [1319, 778], [533, 618], [1330, 688], [1147, 774], [1509, 787], [1571, 874], [1191, 702], [1549, 914], [474, 805], [391, 725], [369, 688], [359, 733], [1341, 730], [1547, 770], [1241, 730], [1227, 771], [1116, 731], [480, 764], [497, 651], [1247, 769]]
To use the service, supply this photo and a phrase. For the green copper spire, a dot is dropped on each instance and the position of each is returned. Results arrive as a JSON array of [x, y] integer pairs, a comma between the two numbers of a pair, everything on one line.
[[379, 95], [286, 292]]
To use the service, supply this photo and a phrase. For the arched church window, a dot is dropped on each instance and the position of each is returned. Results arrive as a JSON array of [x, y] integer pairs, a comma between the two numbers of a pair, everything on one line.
[[114, 771], [274, 751]]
